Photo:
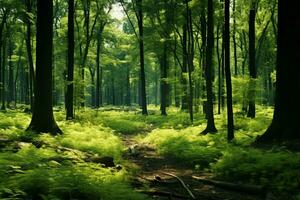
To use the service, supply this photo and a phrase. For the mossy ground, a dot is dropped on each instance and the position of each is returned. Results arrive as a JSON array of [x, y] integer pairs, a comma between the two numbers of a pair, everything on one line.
[[28, 172]]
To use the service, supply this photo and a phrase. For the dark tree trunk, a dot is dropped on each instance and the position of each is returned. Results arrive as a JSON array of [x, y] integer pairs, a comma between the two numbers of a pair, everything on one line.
[[190, 59], [156, 86], [219, 69], [210, 128], [234, 39], [70, 76], [42, 118], [184, 83], [230, 123], [252, 67], [285, 124], [128, 95], [99, 71], [142, 59], [10, 93], [3, 86], [29, 54], [163, 81], [223, 71]]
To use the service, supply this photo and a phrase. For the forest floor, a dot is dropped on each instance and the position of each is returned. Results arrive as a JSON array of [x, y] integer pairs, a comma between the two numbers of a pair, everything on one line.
[[118, 154], [167, 178]]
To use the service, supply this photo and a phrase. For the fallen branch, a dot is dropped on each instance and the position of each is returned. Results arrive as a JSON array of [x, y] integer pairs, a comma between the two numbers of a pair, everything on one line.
[[252, 189], [182, 183]]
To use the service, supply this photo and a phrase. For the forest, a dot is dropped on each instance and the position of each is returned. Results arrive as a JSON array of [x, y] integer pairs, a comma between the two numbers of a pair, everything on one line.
[[149, 99]]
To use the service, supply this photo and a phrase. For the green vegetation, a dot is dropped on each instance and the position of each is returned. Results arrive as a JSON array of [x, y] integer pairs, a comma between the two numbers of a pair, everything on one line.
[[149, 99], [50, 172]]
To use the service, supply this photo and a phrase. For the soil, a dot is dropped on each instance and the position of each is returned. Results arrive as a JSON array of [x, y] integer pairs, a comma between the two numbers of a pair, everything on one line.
[[153, 177]]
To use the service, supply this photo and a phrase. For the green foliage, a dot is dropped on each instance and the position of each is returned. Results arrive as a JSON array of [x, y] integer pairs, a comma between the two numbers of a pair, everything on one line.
[[50, 173], [277, 170], [185, 145]]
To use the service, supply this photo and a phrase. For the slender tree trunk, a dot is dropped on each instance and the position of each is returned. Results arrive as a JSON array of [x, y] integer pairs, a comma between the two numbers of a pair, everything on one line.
[[70, 76], [184, 83], [10, 93], [252, 67], [98, 71], [128, 95], [210, 128], [234, 39], [3, 88], [42, 119], [29, 54], [142, 59], [190, 60], [219, 70], [163, 81], [230, 123]]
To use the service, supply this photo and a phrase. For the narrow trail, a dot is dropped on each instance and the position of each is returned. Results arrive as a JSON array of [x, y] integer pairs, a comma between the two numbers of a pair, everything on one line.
[[165, 178]]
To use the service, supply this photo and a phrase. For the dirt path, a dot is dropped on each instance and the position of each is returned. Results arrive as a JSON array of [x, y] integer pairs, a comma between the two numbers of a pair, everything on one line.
[[154, 172]]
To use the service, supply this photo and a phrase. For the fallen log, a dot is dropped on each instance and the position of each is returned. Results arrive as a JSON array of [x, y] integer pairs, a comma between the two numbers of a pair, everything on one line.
[[251, 189]]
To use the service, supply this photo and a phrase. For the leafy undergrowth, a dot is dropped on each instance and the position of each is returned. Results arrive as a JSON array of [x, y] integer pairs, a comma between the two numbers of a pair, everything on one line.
[[28, 172], [49, 173], [276, 169]]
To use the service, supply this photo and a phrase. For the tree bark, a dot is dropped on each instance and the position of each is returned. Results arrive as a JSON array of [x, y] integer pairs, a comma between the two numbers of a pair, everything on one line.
[[210, 128], [42, 119], [142, 59], [70, 76], [163, 81], [230, 123], [234, 39], [285, 124], [252, 67], [29, 54]]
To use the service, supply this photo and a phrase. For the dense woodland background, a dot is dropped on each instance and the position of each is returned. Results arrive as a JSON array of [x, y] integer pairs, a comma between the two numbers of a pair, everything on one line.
[[209, 83]]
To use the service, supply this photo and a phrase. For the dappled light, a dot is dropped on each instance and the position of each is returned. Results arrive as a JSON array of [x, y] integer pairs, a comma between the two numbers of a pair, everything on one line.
[[149, 99]]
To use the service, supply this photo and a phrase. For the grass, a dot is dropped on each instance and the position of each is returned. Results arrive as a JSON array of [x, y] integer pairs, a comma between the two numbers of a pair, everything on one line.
[[46, 173], [276, 169]]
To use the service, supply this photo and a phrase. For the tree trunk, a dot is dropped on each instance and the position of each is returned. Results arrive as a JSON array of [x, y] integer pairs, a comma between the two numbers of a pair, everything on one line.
[[230, 123], [219, 70], [252, 67], [3, 86], [184, 100], [210, 128], [128, 95], [285, 124], [163, 81], [234, 39], [10, 93], [70, 76], [99, 71], [142, 59], [42, 118], [190, 59], [29, 54]]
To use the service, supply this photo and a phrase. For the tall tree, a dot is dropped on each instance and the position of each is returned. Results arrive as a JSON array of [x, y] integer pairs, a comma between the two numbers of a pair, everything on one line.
[[42, 118], [210, 128], [230, 123], [4, 16], [284, 126], [252, 67], [28, 5], [142, 59], [70, 75]]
